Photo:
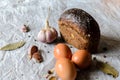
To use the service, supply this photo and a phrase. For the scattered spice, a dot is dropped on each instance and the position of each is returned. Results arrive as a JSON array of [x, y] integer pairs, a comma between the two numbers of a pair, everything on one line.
[[52, 70], [71, 47], [45, 46], [29, 36], [108, 69], [12, 46], [49, 73], [48, 52], [94, 58], [35, 40], [104, 56]]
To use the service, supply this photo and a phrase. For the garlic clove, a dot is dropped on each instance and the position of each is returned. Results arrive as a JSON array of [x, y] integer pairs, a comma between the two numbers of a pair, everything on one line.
[[41, 36], [54, 32], [49, 36], [32, 50], [37, 57]]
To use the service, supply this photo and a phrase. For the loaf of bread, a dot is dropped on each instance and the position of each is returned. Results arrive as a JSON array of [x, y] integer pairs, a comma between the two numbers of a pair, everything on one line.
[[79, 29]]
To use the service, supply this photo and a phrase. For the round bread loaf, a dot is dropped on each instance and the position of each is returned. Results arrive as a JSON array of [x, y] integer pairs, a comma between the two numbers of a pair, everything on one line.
[[79, 29]]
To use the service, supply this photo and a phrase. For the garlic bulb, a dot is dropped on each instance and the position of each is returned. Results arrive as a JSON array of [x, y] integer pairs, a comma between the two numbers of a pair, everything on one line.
[[48, 34]]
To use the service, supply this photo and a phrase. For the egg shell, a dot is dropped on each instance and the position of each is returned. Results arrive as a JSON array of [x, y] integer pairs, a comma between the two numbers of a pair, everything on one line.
[[62, 50], [65, 69], [82, 58]]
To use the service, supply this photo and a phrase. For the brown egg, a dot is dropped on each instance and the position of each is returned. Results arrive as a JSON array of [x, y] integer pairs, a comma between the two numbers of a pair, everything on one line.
[[65, 69], [82, 58], [62, 50]]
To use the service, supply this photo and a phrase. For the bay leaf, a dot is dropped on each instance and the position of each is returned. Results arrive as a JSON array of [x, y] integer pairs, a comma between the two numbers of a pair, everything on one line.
[[12, 46], [108, 69]]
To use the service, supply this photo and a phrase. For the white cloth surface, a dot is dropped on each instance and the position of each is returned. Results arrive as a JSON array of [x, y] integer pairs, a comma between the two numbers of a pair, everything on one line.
[[15, 65]]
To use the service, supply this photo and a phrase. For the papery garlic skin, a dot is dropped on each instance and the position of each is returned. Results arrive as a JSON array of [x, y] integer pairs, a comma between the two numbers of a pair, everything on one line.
[[24, 29], [41, 36], [51, 35], [47, 35]]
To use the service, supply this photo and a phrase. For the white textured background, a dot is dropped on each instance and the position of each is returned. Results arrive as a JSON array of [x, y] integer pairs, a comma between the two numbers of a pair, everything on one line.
[[14, 65]]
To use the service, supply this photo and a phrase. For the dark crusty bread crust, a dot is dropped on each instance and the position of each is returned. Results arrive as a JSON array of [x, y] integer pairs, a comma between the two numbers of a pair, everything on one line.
[[79, 29]]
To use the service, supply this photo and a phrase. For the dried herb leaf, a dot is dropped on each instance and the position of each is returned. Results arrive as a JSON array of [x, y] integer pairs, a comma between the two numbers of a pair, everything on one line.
[[12, 46], [53, 78], [108, 69]]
